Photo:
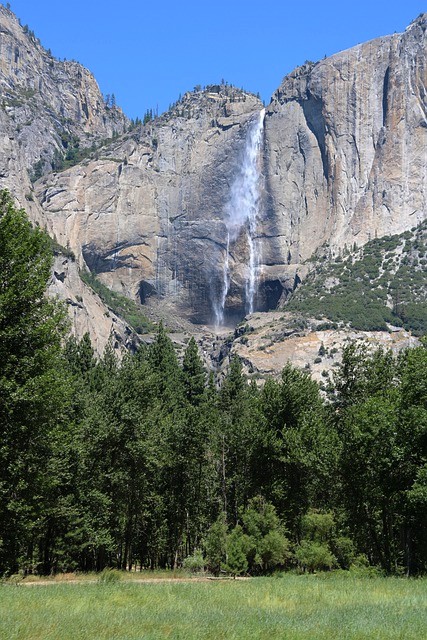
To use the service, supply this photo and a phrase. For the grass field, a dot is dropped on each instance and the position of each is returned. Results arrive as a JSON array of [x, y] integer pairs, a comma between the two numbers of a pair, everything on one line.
[[288, 607]]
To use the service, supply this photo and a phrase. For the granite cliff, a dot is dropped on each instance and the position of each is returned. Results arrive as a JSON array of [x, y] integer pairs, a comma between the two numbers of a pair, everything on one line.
[[346, 143], [50, 110], [342, 159], [148, 216]]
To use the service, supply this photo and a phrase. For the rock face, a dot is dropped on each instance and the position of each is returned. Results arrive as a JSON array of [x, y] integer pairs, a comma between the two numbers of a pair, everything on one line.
[[343, 158], [87, 312], [271, 340], [149, 215], [346, 146], [48, 107]]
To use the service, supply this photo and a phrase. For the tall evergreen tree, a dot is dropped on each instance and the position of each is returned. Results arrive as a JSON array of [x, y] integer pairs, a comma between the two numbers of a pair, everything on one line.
[[194, 374], [306, 446], [412, 442], [33, 390]]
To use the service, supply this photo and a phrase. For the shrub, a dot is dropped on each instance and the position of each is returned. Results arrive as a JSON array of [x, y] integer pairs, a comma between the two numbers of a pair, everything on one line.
[[344, 551], [237, 562], [273, 550], [318, 526], [124, 307], [312, 556], [194, 563], [357, 291]]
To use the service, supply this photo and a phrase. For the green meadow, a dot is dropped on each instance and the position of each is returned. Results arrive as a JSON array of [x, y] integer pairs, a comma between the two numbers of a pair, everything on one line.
[[307, 607]]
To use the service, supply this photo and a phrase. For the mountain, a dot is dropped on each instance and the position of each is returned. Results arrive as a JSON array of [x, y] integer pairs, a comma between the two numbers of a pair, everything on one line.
[[49, 108], [51, 113], [347, 145], [147, 215], [216, 208]]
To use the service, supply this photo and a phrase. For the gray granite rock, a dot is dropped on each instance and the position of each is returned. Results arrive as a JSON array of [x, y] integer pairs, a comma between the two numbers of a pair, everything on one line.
[[343, 159]]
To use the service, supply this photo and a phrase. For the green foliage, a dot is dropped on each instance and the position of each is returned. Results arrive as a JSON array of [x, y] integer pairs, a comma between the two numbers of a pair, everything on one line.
[[344, 551], [313, 556], [236, 557], [37, 171], [262, 536], [194, 563], [273, 550], [148, 116], [306, 445], [321, 547], [363, 372], [124, 464], [80, 355], [382, 283], [318, 526], [58, 249], [33, 386], [260, 518], [381, 411], [194, 375], [216, 544]]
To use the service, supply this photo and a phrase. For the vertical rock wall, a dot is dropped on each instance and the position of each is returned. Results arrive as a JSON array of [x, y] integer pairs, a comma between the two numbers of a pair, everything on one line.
[[347, 146], [344, 159]]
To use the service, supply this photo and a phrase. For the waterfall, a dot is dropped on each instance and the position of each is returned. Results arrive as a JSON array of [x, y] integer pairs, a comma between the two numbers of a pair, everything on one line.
[[220, 304], [241, 214]]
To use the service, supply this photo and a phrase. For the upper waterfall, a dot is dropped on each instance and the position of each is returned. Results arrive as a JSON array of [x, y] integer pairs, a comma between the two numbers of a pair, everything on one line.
[[242, 211]]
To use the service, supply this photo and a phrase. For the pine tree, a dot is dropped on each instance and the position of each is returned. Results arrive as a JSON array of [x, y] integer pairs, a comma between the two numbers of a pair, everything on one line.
[[33, 388], [194, 375], [216, 544]]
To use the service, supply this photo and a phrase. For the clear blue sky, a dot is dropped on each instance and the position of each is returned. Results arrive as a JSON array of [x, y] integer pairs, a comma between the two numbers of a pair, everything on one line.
[[148, 52]]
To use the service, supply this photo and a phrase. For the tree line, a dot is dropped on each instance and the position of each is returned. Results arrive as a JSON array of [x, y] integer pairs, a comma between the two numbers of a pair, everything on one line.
[[148, 462]]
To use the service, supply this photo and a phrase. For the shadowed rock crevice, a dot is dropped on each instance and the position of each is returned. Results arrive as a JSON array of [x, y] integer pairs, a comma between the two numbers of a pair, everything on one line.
[[312, 108], [268, 295], [103, 263], [385, 95], [146, 290]]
